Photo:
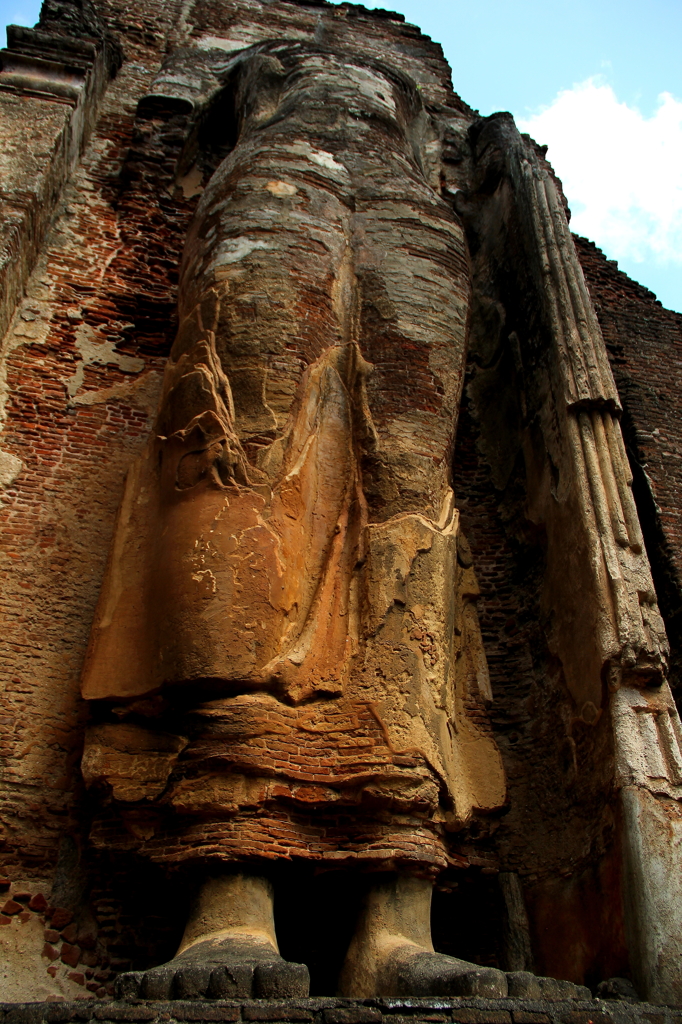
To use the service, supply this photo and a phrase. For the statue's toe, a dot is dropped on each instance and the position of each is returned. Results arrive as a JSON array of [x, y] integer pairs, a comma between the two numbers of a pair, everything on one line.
[[554, 989], [192, 981], [232, 981], [155, 984], [524, 985], [281, 979]]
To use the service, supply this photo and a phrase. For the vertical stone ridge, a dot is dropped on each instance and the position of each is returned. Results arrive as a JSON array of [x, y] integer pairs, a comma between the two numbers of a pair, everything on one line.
[[591, 406], [587, 389], [586, 375]]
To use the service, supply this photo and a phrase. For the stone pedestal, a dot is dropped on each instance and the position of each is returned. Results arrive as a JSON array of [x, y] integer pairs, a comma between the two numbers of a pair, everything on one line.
[[344, 1011]]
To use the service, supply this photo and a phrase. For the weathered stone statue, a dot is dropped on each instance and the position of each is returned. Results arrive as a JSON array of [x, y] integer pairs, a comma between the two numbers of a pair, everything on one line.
[[287, 626]]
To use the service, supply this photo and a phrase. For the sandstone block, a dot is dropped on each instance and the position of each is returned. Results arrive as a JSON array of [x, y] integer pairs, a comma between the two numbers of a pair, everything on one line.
[[586, 1017], [204, 1011], [124, 1011], [481, 1016], [276, 1012], [352, 1015]]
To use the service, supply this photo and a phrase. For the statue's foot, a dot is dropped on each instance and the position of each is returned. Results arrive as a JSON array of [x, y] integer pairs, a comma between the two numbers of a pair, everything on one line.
[[219, 968], [411, 971], [391, 954], [414, 972]]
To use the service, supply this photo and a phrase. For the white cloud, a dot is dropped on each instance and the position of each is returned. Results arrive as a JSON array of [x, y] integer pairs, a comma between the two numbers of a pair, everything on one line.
[[622, 172]]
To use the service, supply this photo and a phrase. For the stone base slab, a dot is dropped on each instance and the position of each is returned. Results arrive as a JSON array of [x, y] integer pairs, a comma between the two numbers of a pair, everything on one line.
[[341, 1011]]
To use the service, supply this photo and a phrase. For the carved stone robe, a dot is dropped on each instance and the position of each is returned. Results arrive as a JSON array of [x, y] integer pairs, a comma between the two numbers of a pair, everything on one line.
[[287, 638]]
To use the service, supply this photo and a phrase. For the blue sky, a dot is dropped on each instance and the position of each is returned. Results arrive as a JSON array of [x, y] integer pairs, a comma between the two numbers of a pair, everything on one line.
[[599, 81]]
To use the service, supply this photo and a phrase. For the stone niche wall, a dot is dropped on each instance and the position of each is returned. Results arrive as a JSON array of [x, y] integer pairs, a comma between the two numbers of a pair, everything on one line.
[[560, 832], [81, 369]]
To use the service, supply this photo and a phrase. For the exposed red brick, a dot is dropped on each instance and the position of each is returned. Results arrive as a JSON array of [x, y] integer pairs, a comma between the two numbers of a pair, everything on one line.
[[38, 903], [70, 955], [60, 918], [69, 933]]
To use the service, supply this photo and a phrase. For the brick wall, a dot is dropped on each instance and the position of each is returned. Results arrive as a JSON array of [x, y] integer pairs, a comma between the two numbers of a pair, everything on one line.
[[84, 355]]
